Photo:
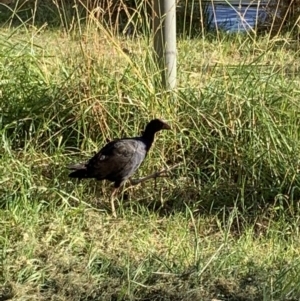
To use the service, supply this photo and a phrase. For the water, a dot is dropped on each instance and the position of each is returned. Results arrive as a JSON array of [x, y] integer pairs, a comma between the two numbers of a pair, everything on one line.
[[235, 17]]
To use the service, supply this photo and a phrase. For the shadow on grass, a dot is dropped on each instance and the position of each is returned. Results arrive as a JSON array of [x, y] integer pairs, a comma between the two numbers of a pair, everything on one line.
[[115, 285], [169, 196]]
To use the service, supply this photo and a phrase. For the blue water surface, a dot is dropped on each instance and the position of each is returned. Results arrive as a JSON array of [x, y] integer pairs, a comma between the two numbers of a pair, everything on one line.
[[235, 18]]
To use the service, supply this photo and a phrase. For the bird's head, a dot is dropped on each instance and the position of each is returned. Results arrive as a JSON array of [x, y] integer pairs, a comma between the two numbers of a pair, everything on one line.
[[156, 125]]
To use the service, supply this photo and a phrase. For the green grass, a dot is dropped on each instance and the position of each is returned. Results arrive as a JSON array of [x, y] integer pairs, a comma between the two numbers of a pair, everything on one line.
[[224, 225]]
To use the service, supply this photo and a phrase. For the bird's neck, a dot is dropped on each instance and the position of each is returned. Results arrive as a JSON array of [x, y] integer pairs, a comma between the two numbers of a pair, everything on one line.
[[148, 138]]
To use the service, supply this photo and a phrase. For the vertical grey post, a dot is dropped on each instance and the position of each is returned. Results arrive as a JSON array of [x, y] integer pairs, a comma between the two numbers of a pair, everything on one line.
[[164, 25]]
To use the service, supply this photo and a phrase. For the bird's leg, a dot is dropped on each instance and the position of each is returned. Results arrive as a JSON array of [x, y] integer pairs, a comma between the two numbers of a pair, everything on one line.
[[161, 173], [112, 202]]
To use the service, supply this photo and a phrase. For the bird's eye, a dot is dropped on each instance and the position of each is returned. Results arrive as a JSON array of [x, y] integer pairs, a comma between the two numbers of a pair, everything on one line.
[[102, 158]]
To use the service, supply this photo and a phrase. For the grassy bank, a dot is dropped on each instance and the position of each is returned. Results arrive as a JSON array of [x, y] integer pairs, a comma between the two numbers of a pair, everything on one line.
[[223, 226]]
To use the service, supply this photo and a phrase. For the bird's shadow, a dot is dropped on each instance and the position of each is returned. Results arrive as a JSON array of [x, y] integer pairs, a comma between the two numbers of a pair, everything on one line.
[[161, 196], [152, 196]]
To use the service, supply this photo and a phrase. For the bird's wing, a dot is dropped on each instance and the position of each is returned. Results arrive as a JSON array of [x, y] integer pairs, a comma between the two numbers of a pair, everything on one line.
[[118, 159]]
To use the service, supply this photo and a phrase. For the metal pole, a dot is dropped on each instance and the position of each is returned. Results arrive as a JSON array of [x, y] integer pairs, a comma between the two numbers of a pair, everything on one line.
[[164, 24]]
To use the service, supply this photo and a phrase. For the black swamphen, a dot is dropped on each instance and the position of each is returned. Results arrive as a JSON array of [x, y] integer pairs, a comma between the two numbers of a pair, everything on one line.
[[119, 159]]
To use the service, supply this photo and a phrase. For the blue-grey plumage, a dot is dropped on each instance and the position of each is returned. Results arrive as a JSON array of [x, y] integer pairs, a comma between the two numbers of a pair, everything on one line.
[[118, 160]]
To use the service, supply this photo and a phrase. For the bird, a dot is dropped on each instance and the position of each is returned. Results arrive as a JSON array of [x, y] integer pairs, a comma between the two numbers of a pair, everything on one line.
[[118, 160]]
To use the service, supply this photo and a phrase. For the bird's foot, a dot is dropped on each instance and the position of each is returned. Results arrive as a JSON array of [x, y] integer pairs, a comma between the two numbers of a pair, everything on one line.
[[161, 173]]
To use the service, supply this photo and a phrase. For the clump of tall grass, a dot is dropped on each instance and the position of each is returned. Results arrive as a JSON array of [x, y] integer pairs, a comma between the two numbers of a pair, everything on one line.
[[237, 136]]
